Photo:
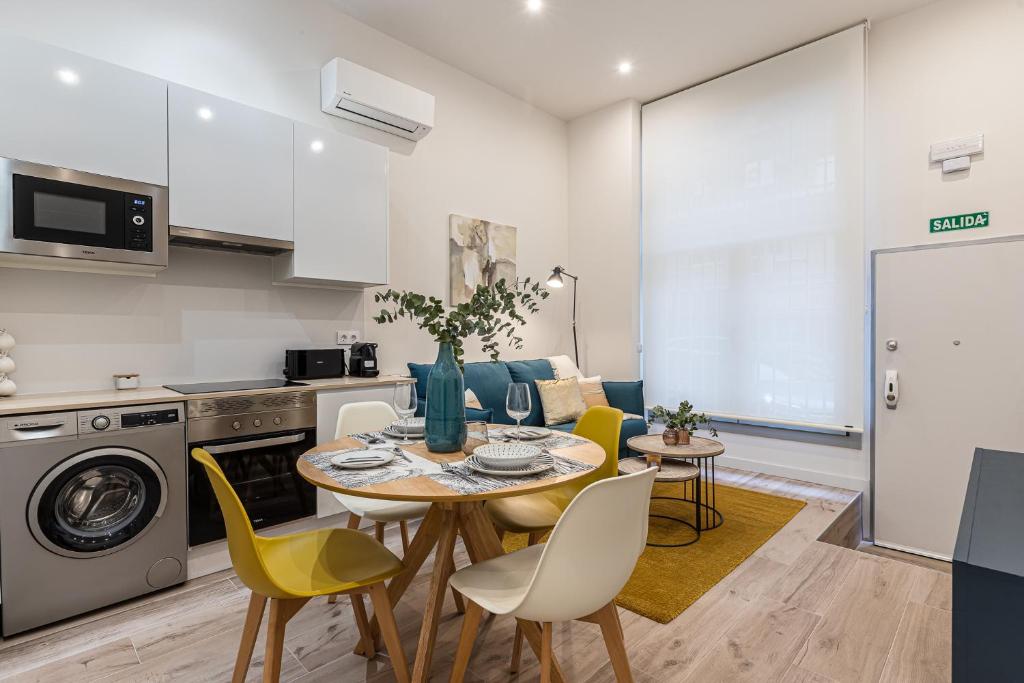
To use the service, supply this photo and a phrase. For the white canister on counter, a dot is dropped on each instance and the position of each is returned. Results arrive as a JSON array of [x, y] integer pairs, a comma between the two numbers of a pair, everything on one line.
[[7, 386], [127, 380]]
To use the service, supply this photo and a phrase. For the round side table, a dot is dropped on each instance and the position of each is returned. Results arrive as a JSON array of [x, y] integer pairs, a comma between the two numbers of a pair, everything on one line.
[[670, 472], [701, 453]]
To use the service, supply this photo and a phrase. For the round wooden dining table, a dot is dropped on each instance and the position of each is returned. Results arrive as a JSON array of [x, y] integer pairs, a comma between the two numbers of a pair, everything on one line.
[[451, 513]]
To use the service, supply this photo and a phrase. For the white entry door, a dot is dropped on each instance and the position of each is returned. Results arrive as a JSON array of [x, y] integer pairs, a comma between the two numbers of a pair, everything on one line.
[[955, 315]]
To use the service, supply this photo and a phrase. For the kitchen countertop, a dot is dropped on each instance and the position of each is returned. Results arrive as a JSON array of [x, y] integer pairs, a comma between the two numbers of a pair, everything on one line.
[[82, 400]]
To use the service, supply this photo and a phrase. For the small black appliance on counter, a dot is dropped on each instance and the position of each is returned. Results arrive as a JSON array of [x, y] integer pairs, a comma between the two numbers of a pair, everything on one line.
[[362, 360], [314, 363]]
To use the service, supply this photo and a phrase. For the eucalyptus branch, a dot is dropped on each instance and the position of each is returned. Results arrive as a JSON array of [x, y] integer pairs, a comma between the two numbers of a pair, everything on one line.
[[683, 418], [492, 314]]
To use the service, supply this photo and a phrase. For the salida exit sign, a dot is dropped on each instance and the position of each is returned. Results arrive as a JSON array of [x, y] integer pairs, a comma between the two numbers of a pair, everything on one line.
[[961, 222]]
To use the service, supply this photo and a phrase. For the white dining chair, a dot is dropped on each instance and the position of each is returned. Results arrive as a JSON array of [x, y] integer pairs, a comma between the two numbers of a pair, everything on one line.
[[373, 416], [574, 576]]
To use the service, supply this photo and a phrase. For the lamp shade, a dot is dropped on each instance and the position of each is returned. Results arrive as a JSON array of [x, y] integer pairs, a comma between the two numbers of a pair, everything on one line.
[[556, 279]]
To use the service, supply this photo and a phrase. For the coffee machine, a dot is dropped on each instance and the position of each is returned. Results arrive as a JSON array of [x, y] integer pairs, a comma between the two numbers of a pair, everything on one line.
[[362, 360]]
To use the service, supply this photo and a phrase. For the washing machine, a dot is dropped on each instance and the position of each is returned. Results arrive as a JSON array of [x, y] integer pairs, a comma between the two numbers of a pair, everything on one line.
[[92, 510]]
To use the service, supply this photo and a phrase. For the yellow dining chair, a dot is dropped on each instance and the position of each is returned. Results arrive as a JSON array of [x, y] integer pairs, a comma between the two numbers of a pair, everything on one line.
[[289, 570], [537, 513]]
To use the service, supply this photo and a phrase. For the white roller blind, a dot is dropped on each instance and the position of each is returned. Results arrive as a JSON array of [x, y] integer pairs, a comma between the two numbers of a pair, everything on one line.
[[753, 247]]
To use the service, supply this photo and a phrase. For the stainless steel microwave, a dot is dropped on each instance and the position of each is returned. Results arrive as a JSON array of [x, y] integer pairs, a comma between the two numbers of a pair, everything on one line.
[[49, 213]]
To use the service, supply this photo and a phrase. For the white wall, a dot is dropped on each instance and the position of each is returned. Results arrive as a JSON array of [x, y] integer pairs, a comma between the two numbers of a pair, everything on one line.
[[490, 155], [919, 92], [604, 245]]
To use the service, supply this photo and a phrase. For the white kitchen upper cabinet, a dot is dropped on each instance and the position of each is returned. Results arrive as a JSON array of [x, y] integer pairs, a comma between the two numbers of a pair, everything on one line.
[[230, 166], [64, 109], [341, 212]]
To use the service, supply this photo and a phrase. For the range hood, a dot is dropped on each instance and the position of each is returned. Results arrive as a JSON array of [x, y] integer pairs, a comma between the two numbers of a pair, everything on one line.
[[225, 241]]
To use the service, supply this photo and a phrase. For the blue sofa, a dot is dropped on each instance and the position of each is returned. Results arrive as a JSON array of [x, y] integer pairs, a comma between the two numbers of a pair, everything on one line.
[[489, 381]]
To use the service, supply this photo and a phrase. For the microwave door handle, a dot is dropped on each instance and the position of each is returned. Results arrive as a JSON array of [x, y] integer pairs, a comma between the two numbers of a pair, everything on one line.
[[219, 449]]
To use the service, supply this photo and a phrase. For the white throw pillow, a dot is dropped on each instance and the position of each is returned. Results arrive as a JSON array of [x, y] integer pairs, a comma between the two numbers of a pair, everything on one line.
[[563, 367]]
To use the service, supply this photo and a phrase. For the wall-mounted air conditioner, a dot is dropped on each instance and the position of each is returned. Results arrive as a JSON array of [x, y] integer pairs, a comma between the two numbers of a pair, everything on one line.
[[356, 93]]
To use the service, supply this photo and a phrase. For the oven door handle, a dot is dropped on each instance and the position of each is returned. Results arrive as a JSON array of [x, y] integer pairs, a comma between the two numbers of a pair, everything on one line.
[[253, 445]]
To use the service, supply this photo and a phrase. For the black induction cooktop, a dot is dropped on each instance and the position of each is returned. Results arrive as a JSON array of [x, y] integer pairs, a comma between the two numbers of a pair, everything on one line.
[[241, 385]]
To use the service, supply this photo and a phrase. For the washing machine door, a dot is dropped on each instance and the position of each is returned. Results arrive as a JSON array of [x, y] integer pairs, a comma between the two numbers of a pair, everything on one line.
[[97, 502]]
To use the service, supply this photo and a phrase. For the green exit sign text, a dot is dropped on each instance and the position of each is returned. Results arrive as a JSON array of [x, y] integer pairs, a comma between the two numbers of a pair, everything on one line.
[[961, 222]]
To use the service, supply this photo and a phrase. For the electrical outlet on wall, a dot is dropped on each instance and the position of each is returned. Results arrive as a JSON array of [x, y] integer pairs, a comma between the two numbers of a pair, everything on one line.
[[347, 337]]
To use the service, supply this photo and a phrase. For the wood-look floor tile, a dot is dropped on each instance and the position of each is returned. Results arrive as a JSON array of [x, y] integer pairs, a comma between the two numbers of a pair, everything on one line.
[[89, 665], [30, 653], [804, 529], [853, 638], [921, 652], [755, 576], [761, 645], [933, 588], [209, 661], [670, 651], [814, 578], [798, 675]]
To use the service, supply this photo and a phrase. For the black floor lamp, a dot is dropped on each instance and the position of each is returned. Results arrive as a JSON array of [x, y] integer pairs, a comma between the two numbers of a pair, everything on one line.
[[556, 282]]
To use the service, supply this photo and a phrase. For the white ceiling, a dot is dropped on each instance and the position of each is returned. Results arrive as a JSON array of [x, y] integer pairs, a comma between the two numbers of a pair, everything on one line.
[[564, 58]]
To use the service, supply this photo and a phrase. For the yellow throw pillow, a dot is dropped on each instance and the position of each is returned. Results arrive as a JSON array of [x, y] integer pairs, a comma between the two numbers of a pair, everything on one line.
[[472, 401], [561, 399], [593, 391]]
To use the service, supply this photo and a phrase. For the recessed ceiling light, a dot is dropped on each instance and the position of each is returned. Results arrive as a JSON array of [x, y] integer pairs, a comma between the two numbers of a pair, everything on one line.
[[205, 113], [625, 67], [534, 6], [67, 76], [317, 146]]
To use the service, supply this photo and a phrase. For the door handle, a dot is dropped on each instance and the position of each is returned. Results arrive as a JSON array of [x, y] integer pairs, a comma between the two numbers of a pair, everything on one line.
[[891, 390]]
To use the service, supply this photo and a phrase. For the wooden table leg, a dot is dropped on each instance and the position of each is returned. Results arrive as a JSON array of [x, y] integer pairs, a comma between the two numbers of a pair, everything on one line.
[[422, 543], [435, 595], [482, 544]]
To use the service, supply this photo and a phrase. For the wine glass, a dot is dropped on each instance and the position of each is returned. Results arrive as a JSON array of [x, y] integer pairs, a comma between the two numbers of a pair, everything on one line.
[[405, 406], [517, 403]]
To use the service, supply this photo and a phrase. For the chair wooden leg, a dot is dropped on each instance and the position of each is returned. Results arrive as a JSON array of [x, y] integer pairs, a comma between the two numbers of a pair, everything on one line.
[[389, 629], [353, 523], [517, 650], [545, 652], [611, 629], [403, 527], [378, 528], [460, 604], [517, 641], [363, 624], [253, 617], [280, 612], [470, 624]]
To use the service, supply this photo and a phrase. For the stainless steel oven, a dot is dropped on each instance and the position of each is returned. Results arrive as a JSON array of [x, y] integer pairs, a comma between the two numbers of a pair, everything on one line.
[[257, 439], [47, 211]]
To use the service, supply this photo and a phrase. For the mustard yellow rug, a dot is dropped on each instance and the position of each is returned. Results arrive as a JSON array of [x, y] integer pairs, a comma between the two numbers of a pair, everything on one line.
[[668, 580]]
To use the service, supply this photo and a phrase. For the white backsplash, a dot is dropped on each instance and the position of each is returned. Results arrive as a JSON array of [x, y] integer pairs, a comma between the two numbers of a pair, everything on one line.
[[210, 316]]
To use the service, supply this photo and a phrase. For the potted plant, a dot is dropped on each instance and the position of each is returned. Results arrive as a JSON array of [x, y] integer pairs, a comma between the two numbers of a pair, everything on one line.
[[680, 424], [492, 313]]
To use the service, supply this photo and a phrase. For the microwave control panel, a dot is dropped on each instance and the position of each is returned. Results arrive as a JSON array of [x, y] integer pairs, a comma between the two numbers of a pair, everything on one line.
[[138, 222]]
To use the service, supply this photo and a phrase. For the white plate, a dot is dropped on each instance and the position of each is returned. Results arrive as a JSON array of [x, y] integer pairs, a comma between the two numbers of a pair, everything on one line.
[[362, 459], [506, 454], [541, 464], [527, 433]]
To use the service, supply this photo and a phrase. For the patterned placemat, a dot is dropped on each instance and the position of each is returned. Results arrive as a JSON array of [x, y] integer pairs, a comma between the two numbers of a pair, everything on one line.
[[404, 466], [556, 440], [460, 478]]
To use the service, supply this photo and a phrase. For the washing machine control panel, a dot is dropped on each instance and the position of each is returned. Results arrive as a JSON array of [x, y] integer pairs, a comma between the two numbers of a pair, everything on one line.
[[129, 417]]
